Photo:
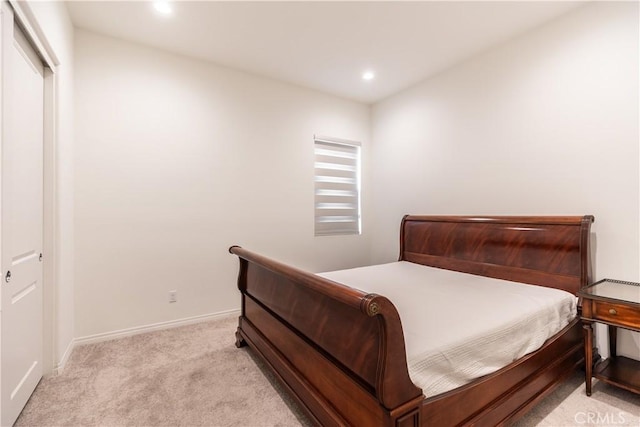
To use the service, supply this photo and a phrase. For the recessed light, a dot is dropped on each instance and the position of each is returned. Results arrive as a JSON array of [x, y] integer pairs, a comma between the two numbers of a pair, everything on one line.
[[368, 75], [162, 7]]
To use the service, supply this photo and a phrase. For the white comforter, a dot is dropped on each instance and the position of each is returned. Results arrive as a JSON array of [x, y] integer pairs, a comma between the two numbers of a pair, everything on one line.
[[459, 326]]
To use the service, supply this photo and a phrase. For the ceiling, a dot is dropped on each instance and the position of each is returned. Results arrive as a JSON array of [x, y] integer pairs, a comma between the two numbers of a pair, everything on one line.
[[323, 45]]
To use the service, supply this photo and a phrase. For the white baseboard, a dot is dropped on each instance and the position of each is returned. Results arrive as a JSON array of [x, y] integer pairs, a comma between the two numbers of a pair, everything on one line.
[[57, 370], [106, 336]]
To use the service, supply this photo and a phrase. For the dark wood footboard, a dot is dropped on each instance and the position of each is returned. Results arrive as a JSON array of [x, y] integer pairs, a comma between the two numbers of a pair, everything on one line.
[[341, 352]]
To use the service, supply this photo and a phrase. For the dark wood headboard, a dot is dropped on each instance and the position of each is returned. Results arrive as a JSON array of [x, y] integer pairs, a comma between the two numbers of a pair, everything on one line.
[[550, 251]]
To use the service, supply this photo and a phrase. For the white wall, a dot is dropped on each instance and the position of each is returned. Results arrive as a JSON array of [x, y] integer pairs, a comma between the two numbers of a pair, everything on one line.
[[545, 124], [56, 25], [176, 160]]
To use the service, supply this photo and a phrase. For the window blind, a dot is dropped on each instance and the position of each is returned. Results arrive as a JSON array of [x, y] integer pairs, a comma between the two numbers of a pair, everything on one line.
[[337, 187]]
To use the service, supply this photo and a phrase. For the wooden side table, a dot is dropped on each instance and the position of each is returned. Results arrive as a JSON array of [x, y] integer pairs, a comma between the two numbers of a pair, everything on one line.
[[616, 304]]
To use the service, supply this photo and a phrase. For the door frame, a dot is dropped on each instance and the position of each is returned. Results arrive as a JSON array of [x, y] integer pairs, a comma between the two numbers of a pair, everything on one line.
[[22, 13]]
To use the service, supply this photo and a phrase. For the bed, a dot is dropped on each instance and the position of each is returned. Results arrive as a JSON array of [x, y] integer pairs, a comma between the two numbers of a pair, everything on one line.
[[340, 352]]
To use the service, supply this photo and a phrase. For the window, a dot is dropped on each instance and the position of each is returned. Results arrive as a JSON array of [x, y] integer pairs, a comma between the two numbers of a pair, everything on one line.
[[337, 187]]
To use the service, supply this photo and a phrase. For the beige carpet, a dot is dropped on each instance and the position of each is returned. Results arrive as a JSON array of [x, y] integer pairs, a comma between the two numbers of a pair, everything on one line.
[[195, 376]]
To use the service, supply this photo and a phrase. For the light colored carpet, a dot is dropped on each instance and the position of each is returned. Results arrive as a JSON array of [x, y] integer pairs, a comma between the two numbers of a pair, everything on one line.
[[195, 376]]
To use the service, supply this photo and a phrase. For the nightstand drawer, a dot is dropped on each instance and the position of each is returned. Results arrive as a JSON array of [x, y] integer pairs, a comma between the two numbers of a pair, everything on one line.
[[621, 315]]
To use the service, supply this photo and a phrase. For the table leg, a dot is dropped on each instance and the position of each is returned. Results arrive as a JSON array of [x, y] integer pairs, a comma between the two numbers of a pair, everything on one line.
[[613, 341], [587, 329]]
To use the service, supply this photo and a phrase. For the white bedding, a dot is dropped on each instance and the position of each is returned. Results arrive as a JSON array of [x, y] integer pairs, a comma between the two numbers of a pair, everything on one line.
[[459, 326]]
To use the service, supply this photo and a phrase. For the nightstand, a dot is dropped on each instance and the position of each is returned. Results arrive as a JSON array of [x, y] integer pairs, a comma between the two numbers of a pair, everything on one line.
[[616, 304]]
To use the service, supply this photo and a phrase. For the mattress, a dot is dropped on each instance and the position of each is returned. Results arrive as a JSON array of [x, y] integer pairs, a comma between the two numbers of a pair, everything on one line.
[[458, 326]]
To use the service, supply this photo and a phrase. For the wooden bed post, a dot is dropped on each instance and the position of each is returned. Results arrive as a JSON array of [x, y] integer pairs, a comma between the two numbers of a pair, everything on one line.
[[585, 250], [242, 286]]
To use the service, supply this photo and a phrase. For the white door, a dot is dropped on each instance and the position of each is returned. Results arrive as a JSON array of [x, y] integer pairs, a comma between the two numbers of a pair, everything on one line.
[[22, 219]]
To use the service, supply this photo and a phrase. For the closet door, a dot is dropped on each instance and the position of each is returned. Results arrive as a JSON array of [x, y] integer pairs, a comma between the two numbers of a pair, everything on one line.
[[22, 218]]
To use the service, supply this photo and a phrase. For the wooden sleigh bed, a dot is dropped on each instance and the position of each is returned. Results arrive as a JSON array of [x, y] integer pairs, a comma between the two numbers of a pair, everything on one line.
[[340, 352]]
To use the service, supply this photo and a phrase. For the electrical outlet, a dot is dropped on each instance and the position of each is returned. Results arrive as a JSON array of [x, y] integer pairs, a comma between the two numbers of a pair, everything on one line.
[[173, 296]]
